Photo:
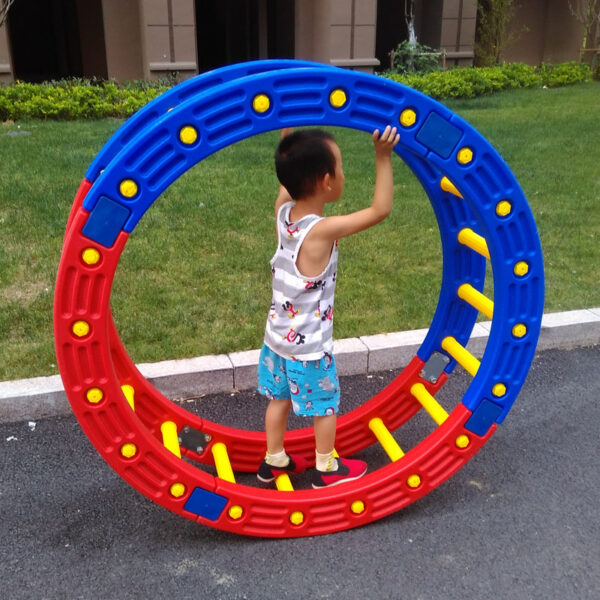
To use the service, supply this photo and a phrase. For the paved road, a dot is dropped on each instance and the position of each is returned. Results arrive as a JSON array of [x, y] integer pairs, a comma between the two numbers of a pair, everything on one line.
[[520, 521]]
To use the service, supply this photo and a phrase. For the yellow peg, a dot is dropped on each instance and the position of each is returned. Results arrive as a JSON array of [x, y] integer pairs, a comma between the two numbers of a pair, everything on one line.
[[499, 390], [129, 394], [283, 483], [236, 512], [461, 355], [385, 438], [224, 470], [429, 403], [519, 330], [170, 439], [357, 507], [503, 208], [474, 241], [464, 156], [448, 186], [414, 481], [476, 299]]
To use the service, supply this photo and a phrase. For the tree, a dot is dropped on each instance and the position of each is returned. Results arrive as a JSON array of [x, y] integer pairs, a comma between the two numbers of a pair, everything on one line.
[[4, 8], [493, 34], [587, 12]]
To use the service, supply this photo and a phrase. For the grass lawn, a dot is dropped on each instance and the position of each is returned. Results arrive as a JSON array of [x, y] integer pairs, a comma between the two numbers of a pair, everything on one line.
[[194, 277]]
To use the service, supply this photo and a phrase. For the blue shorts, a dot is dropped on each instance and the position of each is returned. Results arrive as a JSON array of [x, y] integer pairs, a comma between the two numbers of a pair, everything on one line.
[[312, 386]]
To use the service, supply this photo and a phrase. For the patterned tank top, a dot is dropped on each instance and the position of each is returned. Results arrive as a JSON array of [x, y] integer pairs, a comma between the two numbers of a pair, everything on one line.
[[300, 322]]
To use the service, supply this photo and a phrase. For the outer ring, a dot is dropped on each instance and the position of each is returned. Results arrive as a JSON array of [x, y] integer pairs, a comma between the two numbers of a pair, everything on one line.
[[153, 158]]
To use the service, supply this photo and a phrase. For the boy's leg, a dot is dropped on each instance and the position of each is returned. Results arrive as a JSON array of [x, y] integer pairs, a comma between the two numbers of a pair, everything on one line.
[[276, 418]]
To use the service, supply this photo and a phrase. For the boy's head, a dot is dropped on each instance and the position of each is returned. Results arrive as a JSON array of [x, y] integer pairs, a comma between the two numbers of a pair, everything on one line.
[[304, 159]]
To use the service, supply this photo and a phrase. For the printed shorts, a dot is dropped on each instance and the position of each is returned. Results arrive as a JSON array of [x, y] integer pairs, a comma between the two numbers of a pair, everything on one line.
[[313, 386]]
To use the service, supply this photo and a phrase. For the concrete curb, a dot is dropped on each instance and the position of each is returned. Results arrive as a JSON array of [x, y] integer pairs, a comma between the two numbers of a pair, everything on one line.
[[42, 397]]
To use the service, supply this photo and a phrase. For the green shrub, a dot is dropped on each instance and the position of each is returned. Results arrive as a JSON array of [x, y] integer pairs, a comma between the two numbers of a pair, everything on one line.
[[93, 99], [75, 99], [417, 58], [469, 82]]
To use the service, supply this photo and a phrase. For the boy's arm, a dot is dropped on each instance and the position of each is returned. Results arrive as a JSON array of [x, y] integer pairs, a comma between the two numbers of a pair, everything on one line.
[[283, 196], [334, 228]]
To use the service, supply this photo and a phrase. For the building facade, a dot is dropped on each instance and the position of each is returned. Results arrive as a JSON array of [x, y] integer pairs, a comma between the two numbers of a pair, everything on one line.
[[150, 39]]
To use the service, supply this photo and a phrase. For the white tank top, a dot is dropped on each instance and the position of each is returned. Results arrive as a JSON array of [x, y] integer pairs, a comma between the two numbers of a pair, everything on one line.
[[300, 322]]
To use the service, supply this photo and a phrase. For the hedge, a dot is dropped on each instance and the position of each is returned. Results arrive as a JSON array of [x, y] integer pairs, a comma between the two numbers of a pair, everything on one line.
[[468, 82], [90, 99]]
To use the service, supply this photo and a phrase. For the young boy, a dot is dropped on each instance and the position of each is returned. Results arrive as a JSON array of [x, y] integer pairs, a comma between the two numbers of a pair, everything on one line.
[[296, 367]]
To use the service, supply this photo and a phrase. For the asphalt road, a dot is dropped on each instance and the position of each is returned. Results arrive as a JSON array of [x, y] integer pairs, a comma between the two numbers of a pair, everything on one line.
[[520, 521]]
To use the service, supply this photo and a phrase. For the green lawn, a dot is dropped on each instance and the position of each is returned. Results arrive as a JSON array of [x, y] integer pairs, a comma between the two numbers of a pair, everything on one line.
[[194, 277]]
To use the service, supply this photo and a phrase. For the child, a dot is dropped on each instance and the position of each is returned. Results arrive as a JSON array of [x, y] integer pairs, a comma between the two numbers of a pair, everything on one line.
[[296, 367]]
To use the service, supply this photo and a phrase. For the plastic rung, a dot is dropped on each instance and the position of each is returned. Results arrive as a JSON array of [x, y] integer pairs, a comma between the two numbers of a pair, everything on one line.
[[476, 299], [385, 438], [129, 394], [222, 463], [469, 238], [283, 483], [461, 355], [429, 403], [170, 439]]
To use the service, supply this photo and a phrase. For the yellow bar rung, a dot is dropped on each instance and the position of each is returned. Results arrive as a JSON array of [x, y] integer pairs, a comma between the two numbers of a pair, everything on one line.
[[476, 299], [474, 241], [429, 403], [462, 356], [385, 439], [283, 483], [448, 186], [129, 394], [224, 470], [170, 439]]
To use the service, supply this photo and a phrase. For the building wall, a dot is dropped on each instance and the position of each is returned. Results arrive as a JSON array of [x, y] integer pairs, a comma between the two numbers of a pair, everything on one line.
[[5, 58], [169, 38], [338, 32], [546, 32], [122, 31]]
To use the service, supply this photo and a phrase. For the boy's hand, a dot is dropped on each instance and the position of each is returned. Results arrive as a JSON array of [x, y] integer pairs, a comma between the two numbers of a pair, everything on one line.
[[385, 142]]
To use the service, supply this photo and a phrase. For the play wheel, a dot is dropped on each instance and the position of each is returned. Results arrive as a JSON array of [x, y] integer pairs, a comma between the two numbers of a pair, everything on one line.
[[482, 216]]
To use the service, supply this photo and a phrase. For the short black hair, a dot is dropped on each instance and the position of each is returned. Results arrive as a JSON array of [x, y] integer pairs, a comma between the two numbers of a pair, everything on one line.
[[302, 159]]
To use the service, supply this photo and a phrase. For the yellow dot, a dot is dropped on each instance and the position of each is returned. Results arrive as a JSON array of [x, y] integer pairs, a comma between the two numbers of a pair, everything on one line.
[[464, 156], [519, 330], [188, 135], [90, 256], [338, 98], [81, 328], [128, 188], [261, 103], [357, 507], [414, 481], [94, 395], [296, 517], [462, 441], [521, 268], [177, 490], [503, 208], [408, 117], [128, 450], [236, 512], [499, 390]]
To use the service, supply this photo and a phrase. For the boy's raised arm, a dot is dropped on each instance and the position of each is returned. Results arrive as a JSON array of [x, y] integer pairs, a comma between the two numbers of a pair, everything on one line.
[[333, 228]]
